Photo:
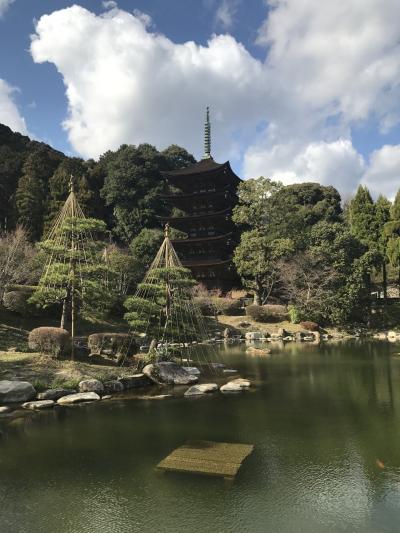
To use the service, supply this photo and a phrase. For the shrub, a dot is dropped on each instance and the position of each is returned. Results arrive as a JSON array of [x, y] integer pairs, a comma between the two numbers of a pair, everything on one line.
[[112, 344], [228, 306], [205, 305], [266, 313], [51, 341], [309, 326], [294, 314], [17, 301]]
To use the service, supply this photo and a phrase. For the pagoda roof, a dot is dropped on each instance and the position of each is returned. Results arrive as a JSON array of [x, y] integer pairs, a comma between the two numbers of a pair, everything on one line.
[[202, 239], [200, 216], [205, 262], [204, 194], [204, 166]]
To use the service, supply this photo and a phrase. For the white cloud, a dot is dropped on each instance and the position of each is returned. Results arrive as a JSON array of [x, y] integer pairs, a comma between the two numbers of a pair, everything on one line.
[[383, 174], [328, 66], [225, 14], [4, 5], [125, 84], [328, 163], [109, 4], [9, 114]]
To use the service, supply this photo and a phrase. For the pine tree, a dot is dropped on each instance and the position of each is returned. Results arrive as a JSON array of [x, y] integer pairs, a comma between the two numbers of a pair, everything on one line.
[[382, 216], [362, 217], [74, 273], [392, 233], [32, 189]]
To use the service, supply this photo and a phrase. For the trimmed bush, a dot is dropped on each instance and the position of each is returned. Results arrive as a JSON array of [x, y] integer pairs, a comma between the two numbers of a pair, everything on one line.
[[112, 344], [309, 326], [266, 313], [205, 305], [51, 341]]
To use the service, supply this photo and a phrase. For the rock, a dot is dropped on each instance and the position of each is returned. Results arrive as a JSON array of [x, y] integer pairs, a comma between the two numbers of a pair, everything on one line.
[[229, 371], [135, 381], [192, 370], [282, 332], [55, 394], [244, 383], [106, 397], [231, 387], [156, 397], [12, 349], [254, 335], [40, 404], [91, 385], [236, 385], [16, 391], [392, 334], [380, 336], [244, 324], [203, 388], [4, 409], [227, 333], [113, 386], [78, 397], [168, 373], [258, 351], [217, 365]]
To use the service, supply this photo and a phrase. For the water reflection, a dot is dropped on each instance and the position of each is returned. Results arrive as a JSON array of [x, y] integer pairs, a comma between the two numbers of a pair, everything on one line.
[[320, 418]]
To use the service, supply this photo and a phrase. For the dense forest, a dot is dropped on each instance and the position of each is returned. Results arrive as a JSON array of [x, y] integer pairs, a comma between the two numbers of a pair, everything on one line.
[[299, 245]]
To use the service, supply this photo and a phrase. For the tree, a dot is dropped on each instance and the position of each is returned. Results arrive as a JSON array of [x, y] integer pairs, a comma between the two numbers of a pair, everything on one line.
[[391, 232], [133, 184], [257, 260], [328, 282], [17, 260], [254, 202], [161, 306], [73, 267], [382, 216]]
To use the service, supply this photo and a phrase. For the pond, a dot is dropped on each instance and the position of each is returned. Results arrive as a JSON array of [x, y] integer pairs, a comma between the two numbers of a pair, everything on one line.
[[325, 422]]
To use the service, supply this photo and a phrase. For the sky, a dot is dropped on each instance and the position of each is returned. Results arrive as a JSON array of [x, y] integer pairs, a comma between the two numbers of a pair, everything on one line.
[[299, 90]]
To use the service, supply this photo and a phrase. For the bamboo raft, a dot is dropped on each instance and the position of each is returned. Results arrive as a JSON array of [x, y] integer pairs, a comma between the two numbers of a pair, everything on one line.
[[220, 459]]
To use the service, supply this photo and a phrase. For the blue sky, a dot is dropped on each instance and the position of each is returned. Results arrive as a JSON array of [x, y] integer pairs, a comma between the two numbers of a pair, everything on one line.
[[298, 90]]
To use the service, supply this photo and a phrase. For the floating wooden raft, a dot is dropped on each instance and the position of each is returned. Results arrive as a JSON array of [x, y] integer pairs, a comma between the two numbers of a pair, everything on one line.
[[209, 458]]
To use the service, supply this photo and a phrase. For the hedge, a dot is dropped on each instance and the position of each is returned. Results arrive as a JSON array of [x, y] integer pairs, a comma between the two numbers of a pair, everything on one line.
[[51, 341], [266, 313]]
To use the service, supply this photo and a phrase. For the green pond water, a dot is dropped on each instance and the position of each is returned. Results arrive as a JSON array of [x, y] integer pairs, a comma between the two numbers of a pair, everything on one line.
[[319, 417]]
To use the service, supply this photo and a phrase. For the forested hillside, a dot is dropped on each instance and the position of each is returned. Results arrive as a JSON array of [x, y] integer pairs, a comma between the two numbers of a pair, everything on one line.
[[121, 188]]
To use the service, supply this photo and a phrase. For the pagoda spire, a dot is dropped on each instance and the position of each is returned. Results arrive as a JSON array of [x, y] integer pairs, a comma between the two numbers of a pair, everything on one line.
[[207, 136]]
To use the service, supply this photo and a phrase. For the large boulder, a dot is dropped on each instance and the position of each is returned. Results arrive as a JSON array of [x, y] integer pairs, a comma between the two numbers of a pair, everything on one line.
[[113, 386], [55, 394], [16, 391], [201, 389], [136, 381], [168, 373], [78, 397], [91, 385], [236, 385]]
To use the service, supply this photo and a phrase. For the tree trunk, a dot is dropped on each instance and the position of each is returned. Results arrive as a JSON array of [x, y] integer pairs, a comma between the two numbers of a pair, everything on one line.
[[73, 313], [384, 280], [64, 309]]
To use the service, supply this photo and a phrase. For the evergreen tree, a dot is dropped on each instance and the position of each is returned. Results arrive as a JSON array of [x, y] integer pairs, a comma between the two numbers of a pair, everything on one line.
[[59, 188], [362, 217], [74, 267], [392, 233], [382, 215], [31, 192]]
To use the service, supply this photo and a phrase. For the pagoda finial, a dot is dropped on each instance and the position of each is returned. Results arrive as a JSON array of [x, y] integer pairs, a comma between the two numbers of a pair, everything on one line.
[[166, 230], [207, 136]]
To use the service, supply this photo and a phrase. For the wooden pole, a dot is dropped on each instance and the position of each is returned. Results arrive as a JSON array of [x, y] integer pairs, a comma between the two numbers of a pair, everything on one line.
[[72, 271]]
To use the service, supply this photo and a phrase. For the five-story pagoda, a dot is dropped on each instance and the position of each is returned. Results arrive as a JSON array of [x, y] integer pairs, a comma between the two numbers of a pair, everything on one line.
[[202, 197]]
